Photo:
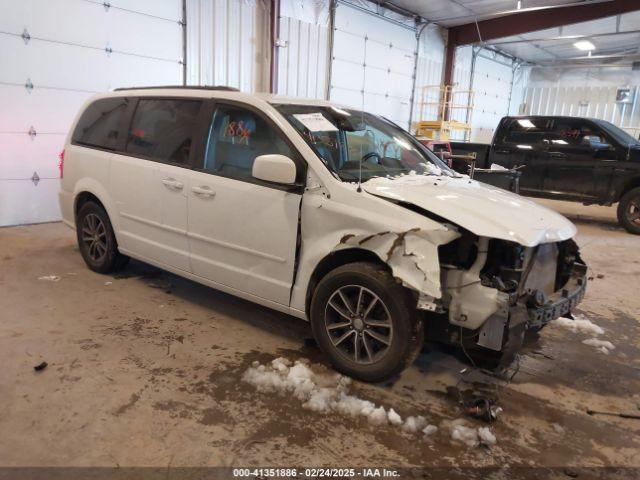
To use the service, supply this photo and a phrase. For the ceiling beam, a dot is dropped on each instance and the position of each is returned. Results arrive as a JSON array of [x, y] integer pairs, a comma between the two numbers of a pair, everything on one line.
[[531, 21], [565, 37]]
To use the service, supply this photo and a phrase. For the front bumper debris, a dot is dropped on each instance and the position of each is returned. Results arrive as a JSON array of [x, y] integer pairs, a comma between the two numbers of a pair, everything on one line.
[[563, 301], [505, 331]]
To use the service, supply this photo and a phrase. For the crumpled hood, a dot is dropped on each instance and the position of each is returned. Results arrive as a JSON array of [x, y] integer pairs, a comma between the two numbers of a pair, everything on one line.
[[482, 209]]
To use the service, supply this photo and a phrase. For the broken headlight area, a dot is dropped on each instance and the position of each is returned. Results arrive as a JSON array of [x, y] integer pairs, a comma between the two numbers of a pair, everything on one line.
[[493, 291]]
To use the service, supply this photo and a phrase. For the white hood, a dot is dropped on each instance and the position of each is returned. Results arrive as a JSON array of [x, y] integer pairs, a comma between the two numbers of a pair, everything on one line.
[[482, 209]]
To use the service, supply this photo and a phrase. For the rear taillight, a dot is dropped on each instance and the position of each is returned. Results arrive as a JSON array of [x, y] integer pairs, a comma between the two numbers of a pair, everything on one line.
[[61, 163]]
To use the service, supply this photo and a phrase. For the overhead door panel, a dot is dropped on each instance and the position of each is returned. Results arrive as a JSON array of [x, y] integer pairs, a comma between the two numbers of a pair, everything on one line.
[[492, 86], [56, 54], [373, 63]]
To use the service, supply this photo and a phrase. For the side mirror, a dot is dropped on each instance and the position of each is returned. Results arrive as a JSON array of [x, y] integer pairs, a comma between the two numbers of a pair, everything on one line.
[[274, 168]]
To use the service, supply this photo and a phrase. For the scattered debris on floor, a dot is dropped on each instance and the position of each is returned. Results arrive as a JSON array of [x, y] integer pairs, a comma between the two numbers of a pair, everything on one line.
[[614, 414], [161, 284], [40, 366], [483, 408], [600, 345], [108, 283], [580, 324], [50, 278], [558, 428], [479, 402]]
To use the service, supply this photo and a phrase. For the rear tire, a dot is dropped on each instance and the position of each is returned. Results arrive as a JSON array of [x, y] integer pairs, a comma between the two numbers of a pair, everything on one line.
[[97, 241], [363, 321], [629, 211]]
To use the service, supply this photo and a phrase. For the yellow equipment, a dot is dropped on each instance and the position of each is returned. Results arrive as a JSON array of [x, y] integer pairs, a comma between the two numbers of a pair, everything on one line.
[[438, 100]]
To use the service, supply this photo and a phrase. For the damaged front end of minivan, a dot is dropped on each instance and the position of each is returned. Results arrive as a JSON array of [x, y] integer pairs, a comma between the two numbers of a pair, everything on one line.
[[478, 292], [496, 290]]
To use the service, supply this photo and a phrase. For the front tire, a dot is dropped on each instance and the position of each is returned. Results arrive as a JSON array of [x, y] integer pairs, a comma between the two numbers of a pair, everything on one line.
[[97, 241], [629, 211], [363, 321]]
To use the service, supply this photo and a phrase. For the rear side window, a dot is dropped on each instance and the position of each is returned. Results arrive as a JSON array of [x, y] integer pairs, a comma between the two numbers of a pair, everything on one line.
[[99, 125], [163, 129]]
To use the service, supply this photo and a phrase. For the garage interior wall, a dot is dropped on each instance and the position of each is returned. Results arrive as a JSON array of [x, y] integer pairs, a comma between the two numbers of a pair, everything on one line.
[[228, 43], [521, 76], [302, 44], [491, 83], [431, 49], [462, 71], [51, 63], [373, 60], [498, 87], [565, 92]]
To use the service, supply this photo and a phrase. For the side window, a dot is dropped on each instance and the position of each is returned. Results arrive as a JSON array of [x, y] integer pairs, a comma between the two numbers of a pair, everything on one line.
[[162, 129], [99, 125], [236, 137], [576, 133]]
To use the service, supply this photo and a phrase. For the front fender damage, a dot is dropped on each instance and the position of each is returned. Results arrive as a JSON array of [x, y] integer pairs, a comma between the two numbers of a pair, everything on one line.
[[412, 256]]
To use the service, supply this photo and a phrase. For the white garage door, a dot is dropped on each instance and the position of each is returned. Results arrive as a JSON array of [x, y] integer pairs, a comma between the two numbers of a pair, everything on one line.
[[373, 64], [53, 55], [492, 86]]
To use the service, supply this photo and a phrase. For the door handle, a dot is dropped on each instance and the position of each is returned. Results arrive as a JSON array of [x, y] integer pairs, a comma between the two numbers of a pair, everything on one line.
[[557, 155], [502, 151], [203, 191], [172, 183]]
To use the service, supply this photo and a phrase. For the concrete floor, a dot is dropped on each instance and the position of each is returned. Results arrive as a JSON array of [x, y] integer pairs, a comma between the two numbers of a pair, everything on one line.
[[145, 367]]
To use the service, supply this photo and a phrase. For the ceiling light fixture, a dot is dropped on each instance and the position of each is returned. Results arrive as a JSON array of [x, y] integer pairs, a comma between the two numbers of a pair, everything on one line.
[[518, 4], [584, 45]]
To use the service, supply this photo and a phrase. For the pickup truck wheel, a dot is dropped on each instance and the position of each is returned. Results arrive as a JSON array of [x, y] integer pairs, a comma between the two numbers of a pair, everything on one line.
[[629, 211], [362, 320], [96, 240]]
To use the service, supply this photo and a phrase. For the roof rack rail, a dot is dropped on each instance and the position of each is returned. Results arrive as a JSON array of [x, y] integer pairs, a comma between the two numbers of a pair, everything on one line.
[[185, 87]]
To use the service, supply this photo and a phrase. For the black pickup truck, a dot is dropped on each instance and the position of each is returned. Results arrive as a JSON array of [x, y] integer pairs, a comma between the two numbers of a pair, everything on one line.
[[566, 158]]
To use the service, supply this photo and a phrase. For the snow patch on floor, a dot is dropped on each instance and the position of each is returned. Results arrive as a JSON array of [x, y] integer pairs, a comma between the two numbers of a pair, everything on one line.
[[50, 278], [600, 345], [328, 392], [460, 431], [580, 324]]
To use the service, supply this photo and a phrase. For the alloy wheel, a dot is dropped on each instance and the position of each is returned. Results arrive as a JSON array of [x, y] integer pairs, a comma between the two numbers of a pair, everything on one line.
[[94, 237], [358, 324], [633, 211]]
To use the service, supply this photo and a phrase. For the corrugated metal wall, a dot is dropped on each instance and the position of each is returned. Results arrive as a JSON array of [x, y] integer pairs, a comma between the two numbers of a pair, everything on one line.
[[228, 43], [303, 48], [564, 92]]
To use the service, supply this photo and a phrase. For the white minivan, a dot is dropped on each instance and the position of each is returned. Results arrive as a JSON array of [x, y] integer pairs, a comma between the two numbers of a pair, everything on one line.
[[321, 211]]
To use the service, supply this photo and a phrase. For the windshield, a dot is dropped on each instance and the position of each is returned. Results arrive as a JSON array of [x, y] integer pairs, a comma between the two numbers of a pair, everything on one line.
[[619, 134], [350, 142]]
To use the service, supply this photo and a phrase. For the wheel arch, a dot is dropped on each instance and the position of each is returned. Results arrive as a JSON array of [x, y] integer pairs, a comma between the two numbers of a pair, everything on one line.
[[335, 259], [90, 190], [628, 185]]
